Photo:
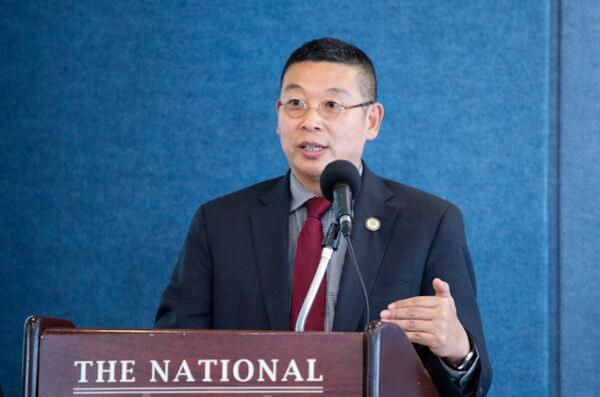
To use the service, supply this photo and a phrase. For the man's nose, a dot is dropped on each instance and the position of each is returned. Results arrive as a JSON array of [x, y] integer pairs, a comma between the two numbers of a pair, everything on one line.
[[312, 120]]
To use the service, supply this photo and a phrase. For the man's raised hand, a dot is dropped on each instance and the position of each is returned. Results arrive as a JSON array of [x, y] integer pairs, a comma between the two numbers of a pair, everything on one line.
[[432, 321]]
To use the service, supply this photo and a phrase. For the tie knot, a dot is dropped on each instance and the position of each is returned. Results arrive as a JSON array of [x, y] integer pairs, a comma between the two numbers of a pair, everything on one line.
[[317, 206]]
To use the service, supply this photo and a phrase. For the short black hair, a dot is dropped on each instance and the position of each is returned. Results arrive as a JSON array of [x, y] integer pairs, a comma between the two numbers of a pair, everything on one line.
[[328, 49]]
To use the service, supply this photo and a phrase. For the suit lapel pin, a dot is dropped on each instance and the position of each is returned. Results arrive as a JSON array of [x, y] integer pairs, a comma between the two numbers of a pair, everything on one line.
[[372, 224]]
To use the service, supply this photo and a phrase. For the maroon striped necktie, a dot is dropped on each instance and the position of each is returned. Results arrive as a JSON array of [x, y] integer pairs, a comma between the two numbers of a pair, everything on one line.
[[308, 254]]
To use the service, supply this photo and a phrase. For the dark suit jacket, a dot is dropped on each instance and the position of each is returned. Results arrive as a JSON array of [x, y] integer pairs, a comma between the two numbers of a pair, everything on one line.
[[233, 269]]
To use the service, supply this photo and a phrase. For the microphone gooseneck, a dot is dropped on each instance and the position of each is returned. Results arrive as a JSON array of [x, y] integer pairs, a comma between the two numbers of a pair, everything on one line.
[[330, 244]]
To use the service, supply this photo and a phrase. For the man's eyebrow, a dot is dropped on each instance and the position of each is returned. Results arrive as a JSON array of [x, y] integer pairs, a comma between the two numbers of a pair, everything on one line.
[[291, 87]]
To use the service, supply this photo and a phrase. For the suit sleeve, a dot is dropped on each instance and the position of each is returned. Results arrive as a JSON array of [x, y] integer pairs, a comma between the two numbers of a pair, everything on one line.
[[188, 299], [450, 260]]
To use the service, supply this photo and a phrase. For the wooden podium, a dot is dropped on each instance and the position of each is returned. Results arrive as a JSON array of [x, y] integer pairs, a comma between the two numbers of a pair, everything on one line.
[[60, 360]]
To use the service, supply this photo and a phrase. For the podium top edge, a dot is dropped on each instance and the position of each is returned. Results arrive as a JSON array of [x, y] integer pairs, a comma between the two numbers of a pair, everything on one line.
[[157, 331]]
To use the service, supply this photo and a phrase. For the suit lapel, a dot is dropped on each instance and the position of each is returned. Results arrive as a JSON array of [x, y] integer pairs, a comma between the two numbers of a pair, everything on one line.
[[369, 247], [270, 225]]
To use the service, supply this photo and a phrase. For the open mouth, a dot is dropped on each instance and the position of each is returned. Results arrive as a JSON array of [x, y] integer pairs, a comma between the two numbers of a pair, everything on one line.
[[310, 147]]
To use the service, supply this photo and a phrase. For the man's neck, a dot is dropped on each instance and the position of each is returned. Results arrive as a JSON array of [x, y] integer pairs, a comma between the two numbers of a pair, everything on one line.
[[313, 185]]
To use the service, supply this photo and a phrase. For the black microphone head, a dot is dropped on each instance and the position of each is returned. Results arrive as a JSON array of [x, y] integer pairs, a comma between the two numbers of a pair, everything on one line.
[[339, 171]]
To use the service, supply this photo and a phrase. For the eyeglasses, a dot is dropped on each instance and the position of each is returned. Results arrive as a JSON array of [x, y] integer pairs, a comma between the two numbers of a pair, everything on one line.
[[327, 108]]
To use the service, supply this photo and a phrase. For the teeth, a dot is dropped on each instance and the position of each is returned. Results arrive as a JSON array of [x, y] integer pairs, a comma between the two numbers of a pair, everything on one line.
[[312, 148]]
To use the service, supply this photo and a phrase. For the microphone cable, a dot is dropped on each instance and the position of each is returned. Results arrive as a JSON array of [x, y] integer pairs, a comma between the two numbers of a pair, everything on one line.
[[360, 279]]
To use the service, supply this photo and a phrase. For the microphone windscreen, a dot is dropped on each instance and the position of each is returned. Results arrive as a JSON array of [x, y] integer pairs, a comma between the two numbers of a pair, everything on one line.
[[339, 171]]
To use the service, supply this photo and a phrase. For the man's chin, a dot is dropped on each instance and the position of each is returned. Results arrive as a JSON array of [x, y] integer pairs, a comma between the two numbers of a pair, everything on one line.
[[309, 173], [313, 167]]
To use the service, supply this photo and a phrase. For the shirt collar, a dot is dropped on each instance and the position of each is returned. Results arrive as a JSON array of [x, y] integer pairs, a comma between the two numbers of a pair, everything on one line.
[[300, 194]]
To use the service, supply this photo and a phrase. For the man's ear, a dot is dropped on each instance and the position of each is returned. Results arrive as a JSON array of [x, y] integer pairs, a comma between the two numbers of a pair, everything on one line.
[[277, 103], [374, 118]]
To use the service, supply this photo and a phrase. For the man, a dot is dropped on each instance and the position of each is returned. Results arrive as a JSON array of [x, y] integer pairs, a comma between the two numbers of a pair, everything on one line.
[[239, 267]]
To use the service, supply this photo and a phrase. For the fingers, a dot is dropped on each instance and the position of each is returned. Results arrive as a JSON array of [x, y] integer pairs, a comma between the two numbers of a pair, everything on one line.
[[442, 289], [418, 326], [417, 308], [417, 301], [431, 321], [410, 313], [427, 320]]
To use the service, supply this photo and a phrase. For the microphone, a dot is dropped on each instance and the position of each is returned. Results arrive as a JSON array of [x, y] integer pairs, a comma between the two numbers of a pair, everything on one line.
[[340, 180]]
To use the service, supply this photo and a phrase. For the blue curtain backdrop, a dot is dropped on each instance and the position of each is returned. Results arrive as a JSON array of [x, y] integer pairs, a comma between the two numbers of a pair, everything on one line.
[[119, 118]]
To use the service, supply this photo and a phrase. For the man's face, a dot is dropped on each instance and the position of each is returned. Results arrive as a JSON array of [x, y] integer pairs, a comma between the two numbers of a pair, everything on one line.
[[312, 141]]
